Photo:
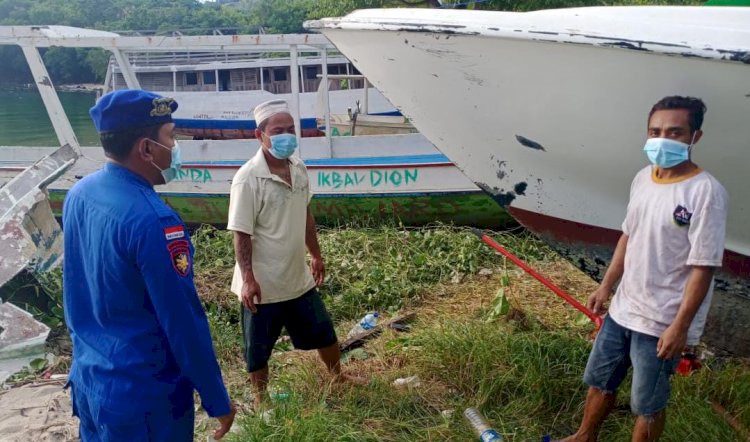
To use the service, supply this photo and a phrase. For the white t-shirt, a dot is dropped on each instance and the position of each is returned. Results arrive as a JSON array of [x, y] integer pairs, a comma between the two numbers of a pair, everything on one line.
[[671, 226], [274, 214]]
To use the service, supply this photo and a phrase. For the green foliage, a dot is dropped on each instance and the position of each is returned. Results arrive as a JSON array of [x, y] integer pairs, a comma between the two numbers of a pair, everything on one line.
[[28, 373], [39, 294], [52, 288], [281, 16], [382, 268], [377, 268], [338, 8], [526, 384]]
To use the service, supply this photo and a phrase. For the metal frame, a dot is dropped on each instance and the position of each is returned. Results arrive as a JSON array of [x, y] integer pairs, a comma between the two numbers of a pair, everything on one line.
[[30, 38]]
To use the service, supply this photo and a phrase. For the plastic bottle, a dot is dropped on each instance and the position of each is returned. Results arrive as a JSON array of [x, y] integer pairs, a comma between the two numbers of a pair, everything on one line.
[[369, 321], [481, 427]]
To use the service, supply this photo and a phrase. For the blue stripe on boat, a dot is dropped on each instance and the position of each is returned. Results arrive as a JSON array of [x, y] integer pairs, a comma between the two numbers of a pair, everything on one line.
[[323, 195], [406, 160], [217, 124]]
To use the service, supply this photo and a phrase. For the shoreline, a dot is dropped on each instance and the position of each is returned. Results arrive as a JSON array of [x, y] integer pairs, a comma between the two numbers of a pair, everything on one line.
[[78, 87]]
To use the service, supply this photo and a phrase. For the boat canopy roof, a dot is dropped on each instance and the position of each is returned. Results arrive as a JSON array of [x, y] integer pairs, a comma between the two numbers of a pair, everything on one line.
[[710, 32], [65, 36]]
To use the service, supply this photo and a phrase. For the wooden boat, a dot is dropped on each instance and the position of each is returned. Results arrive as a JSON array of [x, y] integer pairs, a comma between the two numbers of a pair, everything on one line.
[[546, 111], [398, 176], [218, 89], [392, 178]]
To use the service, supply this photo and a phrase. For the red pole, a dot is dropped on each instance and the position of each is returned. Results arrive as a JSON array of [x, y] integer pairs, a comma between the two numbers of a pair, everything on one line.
[[597, 320]]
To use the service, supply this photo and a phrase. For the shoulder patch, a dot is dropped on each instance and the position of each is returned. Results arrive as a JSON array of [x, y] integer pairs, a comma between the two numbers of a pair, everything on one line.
[[174, 232], [179, 253]]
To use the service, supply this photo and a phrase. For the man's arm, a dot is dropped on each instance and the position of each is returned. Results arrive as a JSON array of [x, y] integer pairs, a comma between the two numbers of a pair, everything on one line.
[[614, 273], [674, 338], [311, 241], [166, 266], [243, 252]]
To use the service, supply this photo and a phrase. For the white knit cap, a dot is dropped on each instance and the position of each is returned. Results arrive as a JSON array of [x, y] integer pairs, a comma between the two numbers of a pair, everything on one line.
[[266, 110]]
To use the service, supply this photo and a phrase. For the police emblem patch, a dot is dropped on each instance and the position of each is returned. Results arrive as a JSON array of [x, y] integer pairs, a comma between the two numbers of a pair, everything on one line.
[[681, 216], [162, 107], [179, 252]]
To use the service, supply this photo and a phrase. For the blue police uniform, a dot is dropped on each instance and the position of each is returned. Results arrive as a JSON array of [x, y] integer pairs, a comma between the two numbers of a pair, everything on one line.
[[141, 341]]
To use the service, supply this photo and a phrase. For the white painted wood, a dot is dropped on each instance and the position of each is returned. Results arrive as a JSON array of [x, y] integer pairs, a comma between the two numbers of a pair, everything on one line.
[[60, 122], [45, 36], [238, 105], [325, 95], [579, 82], [198, 177], [295, 102], [127, 71]]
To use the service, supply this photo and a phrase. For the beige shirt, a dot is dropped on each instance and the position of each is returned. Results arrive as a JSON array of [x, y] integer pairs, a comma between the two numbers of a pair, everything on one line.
[[265, 207], [671, 226]]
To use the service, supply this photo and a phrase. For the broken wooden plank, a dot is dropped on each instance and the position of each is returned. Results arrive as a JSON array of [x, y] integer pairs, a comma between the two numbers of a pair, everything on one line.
[[29, 234], [359, 339]]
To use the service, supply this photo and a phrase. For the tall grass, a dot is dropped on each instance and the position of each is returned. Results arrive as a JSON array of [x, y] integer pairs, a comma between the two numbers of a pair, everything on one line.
[[375, 268], [524, 374]]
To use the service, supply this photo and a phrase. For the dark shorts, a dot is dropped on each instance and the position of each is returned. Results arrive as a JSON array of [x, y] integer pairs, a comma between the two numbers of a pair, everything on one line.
[[305, 319], [617, 348]]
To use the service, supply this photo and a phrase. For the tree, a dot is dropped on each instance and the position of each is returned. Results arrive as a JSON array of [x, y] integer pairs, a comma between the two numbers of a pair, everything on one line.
[[281, 16]]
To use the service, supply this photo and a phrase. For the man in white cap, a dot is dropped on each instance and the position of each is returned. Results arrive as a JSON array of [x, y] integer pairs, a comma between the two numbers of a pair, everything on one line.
[[272, 224]]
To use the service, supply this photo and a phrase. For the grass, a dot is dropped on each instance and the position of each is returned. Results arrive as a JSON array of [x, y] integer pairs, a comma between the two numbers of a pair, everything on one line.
[[521, 365], [486, 336]]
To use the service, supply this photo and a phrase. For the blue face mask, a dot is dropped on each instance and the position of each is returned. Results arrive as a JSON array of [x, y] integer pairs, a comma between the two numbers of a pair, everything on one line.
[[283, 145], [666, 153], [170, 173]]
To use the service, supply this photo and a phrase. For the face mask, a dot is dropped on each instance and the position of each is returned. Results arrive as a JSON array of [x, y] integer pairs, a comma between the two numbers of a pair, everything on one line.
[[170, 173], [666, 153], [283, 145]]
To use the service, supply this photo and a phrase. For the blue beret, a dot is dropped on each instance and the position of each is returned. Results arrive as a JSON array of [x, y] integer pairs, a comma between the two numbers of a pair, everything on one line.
[[131, 109]]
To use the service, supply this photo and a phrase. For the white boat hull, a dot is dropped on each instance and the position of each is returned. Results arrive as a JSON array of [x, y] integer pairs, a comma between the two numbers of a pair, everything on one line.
[[239, 105], [404, 172], [549, 117]]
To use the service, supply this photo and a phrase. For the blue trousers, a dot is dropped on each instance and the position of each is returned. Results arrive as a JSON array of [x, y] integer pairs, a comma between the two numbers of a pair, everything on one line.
[[170, 422]]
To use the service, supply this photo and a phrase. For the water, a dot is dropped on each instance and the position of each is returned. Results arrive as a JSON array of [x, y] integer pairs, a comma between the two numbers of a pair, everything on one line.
[[24, 120]]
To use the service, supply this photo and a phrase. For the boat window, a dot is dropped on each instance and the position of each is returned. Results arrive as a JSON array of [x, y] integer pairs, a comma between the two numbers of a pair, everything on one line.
[[311, 73], [279, 74], [209, 77], [191, 78]]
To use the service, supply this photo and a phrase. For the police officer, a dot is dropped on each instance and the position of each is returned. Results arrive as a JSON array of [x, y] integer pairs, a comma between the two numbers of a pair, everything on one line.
[[141, 342]]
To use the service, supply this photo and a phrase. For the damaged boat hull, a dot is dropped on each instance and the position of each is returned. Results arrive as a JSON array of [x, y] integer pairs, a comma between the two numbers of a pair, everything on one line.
[[546, 111]]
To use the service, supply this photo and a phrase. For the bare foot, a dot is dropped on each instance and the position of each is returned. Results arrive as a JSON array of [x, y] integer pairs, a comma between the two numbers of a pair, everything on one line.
[[259, 403], [572, 438], [349, 379]]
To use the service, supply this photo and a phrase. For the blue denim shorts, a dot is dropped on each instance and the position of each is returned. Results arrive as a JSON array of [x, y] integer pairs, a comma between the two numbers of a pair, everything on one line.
[[617, 348]]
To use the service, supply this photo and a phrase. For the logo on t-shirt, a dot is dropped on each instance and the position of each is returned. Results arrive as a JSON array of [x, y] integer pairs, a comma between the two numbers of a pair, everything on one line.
[[682, 216]]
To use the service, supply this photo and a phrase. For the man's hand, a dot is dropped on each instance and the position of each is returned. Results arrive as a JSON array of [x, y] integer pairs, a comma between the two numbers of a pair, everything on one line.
[[598, 299], [672, 342], [318, 269], [251, 295], [225, 422]]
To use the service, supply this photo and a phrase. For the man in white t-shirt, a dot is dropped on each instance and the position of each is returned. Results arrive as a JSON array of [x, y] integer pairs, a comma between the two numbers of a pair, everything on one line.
[[672, 241], [272, 225]]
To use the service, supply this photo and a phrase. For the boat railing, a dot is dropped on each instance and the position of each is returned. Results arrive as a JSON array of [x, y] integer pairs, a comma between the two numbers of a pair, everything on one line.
[[191, 60]]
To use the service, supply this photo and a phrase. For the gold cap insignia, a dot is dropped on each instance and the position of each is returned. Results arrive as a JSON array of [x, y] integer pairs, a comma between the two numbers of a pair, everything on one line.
[[162, 107]]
